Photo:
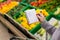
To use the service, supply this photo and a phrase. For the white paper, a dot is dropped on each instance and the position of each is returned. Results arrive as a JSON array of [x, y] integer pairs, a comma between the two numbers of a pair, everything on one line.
[[31, 16]]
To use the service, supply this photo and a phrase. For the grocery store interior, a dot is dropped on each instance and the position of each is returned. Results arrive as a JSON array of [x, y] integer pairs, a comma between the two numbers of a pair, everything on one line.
[[29, 19]]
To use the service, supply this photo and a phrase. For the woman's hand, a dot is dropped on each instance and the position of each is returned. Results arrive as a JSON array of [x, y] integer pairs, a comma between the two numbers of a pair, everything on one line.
[[41, 17]]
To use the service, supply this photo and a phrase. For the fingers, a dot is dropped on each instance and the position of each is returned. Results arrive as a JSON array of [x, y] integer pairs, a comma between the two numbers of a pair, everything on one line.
[[41, 15], [38, 17]]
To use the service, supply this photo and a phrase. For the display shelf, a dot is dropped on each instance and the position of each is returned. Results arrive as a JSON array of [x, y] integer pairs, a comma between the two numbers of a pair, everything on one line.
[[37, 27]]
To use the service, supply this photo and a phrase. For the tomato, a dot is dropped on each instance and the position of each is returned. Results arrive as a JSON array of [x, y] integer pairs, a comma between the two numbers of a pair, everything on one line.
[[40, 3], [34, 3]]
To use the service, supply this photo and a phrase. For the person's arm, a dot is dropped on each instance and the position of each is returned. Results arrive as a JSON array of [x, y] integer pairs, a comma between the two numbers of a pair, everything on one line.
[[49, 28]]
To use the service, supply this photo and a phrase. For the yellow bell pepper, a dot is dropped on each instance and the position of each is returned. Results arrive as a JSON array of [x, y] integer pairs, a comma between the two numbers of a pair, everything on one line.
[[42, 31], [25, 25], [32, 25], [43, 12]]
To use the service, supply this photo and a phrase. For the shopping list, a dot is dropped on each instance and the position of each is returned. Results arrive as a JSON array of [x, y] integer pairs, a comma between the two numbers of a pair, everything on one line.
[[31, 16]]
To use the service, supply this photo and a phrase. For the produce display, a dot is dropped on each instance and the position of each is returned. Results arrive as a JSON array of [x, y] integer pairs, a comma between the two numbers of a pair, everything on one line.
[[38, 2], [44, 12], [41, 32], [21, 18], [57, 12], [7, 6], [25, 24], [49, 5], [46, 7]]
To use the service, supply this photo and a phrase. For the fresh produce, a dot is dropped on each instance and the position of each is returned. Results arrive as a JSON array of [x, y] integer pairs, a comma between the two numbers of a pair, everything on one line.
[[44, 12], [57, 12], [48, 5], [23, 21], [7, 6], [41, 32], [38, 2], [34, 3]]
